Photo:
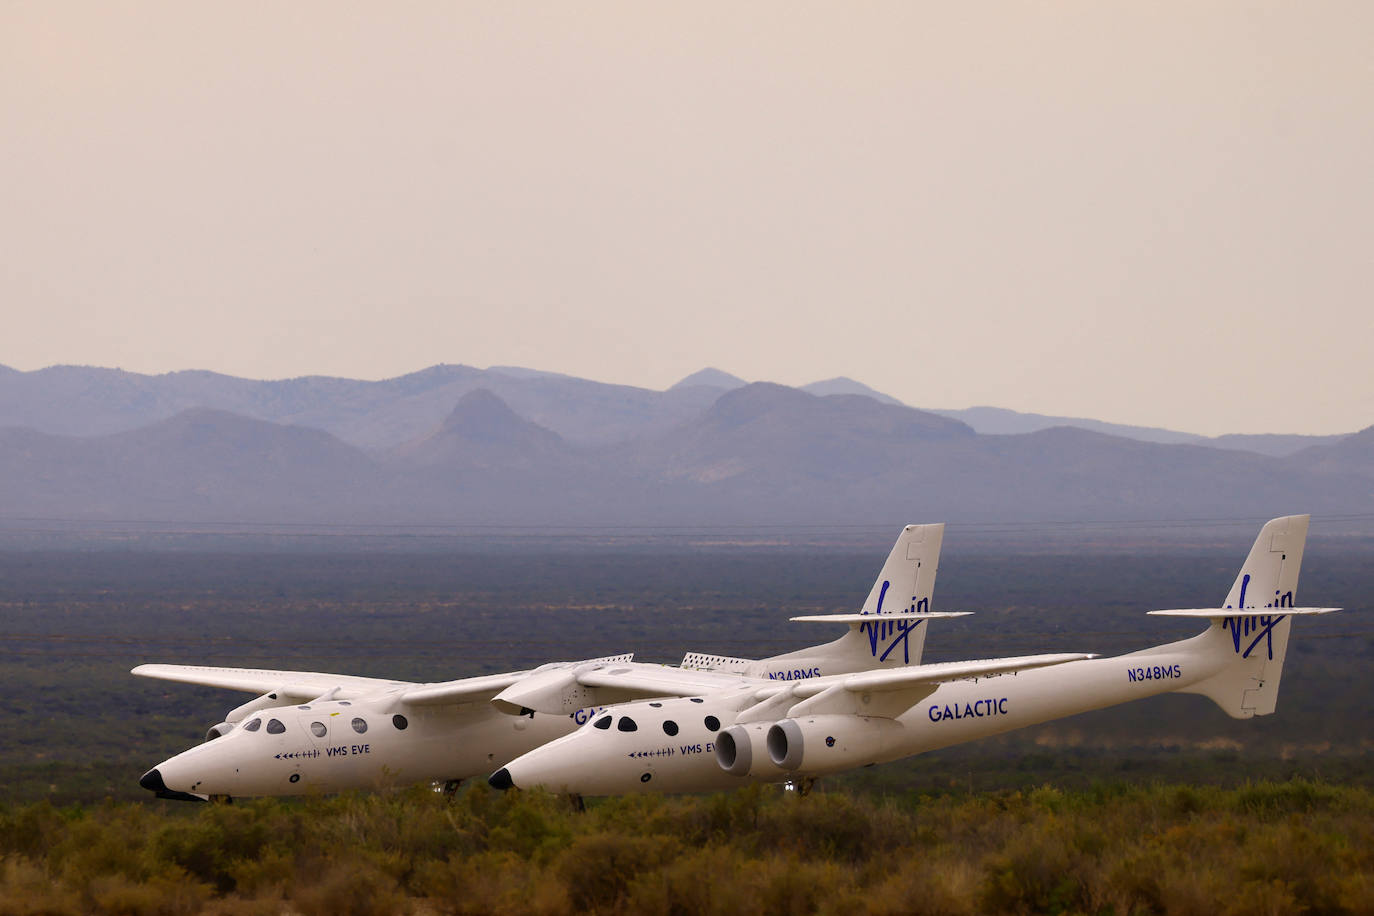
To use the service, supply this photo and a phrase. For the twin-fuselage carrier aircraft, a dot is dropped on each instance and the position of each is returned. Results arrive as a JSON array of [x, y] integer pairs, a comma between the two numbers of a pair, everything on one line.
[[309, 731], [718, 722]]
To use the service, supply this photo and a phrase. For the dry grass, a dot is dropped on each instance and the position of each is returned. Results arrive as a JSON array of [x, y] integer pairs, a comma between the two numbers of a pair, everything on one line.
[[1296, 847]]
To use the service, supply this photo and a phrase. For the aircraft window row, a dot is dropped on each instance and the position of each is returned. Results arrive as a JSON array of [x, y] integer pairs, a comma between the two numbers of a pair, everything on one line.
[[274, 727], [669, 727], [603, 723], [626, 724], [400, 722], [317, 729], [253, 726], [359, 725]]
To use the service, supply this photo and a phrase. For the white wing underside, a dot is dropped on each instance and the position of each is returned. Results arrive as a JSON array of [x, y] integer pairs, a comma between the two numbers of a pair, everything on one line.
[[302, 686]]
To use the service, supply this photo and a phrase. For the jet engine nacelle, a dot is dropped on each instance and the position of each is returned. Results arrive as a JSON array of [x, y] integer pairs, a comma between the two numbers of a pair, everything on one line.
[[823, 744], [219, 731], [239, 713], [740, 749]]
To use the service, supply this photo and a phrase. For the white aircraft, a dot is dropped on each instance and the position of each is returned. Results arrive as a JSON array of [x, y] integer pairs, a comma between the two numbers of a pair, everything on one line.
[[763, 731], [316, 732]]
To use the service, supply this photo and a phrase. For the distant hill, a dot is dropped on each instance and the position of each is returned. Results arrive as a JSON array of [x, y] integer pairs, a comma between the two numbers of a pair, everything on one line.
[[757, 454], [459, 445], [483, 432], [1000, 421], [379, 416], [843, 385], [711, 378], [199, 464], [85, 401]]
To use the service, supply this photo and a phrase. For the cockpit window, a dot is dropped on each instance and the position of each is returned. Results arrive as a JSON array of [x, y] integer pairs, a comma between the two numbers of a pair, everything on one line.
[[359, 725], [253, 725], [317, 729], [669, 727], [603, 723], [274, 727], [626, 724]]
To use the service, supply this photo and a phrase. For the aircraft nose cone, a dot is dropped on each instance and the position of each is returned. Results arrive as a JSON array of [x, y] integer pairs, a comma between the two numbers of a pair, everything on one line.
[[152, 781], [498, 780]]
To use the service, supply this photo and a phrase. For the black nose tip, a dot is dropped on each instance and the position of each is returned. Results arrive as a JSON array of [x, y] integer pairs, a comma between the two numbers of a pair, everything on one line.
[[152, 781], [498, 780]]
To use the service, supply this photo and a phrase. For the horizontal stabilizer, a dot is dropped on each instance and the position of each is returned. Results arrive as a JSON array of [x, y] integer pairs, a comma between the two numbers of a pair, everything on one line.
[[1218, 613], [876, 618]]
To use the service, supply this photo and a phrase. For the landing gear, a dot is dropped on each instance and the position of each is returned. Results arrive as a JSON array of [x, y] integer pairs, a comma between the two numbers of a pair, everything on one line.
[[801, 786], [221, 799], [450, 788]]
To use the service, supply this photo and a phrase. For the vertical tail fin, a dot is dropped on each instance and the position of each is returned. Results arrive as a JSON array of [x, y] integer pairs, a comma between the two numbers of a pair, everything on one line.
[[1253, 636], [894, 635], [1269, 577]]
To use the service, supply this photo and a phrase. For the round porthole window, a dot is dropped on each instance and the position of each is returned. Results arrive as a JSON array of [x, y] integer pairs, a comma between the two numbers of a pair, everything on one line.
[[400, 722], [359, 725]]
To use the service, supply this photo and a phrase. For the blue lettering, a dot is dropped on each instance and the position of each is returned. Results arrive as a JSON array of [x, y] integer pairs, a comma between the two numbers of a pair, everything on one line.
[[795, 674], [583, 716], [975, 710], [1155, 673], [879, 632], [1261, 627]]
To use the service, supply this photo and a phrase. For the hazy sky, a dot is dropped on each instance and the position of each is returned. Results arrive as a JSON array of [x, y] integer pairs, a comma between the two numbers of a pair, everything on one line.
[[1155, 213]]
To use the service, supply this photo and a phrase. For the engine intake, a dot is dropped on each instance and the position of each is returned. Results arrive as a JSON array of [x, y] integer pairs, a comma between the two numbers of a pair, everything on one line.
[[219, 731], [734, 750]]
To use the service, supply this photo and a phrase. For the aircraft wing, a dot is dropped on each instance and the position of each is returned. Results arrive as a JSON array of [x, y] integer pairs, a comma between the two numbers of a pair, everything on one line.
[[885, 692], [293, 684], [899, 678], [463, 690], [642, 681]]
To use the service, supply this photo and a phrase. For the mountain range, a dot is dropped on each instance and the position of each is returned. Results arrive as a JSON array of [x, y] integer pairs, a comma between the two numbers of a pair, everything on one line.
[[456, 445]]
